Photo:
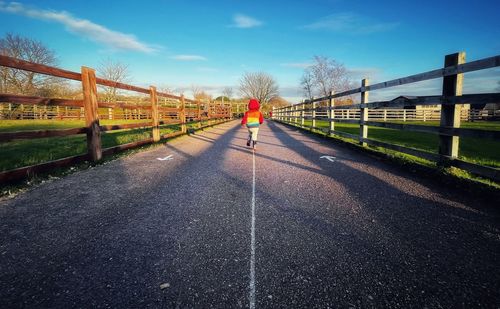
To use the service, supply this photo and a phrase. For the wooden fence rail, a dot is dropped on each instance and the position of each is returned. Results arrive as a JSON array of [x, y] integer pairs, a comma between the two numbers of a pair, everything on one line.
[[185, 110], [397, 114], [450, 115]]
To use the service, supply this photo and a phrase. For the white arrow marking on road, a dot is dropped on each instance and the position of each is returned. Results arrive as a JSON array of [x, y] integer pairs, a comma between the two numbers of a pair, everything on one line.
[[329, 158], [167, 158]]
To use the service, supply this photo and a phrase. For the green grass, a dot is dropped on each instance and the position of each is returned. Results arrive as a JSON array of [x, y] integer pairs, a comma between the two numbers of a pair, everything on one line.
[[480, 125], [23, 152], [30, 125], [481, 151]]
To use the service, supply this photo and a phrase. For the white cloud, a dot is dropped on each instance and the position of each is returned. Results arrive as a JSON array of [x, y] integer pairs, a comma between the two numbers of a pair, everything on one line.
[[82, 27], [243, 21], [189, 58], [350, 23]]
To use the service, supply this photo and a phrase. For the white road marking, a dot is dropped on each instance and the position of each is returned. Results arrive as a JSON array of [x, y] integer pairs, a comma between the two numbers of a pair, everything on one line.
[[167, 158], [252, 236], [329, 158]]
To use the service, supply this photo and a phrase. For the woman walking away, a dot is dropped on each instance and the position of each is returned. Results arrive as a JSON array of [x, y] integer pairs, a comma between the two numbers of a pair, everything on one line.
[[253, 119]]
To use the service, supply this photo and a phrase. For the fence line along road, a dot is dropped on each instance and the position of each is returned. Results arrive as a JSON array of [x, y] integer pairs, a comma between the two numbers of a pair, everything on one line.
[[450, 116], [179, 111]]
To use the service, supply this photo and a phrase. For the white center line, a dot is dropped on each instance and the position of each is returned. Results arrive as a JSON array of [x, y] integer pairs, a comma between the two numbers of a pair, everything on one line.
[[252, 235]]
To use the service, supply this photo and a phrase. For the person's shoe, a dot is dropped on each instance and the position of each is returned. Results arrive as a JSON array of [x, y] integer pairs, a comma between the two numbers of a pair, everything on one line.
[[248, 143], [254, 145]]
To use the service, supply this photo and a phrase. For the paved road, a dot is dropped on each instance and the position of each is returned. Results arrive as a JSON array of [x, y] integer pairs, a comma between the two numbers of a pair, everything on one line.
[[143, 233]]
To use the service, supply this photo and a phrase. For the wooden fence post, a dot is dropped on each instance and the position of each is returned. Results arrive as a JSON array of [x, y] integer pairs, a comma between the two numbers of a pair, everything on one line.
[[450, 114], [183, 114], [209, 116], [331, 105], [363, 114], [302, 113], [154, 113], [89, 86], [198, 105], [313, 124]]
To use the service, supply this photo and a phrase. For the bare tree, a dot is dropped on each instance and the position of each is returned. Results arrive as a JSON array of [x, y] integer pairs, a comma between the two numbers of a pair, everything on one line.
[[275, 102], [228, 92], [307, 83], [278, 102], [196, 90], [260, 85], [199, 94], [165, 88], [114, 71], [180, 90], [323, 76], [20, 81]]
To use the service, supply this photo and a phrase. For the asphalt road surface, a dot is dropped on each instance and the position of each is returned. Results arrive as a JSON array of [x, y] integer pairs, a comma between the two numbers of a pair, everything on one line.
[[302, 223]]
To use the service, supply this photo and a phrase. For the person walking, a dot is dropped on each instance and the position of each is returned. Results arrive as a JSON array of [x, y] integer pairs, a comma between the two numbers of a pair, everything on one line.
[[253, 118]]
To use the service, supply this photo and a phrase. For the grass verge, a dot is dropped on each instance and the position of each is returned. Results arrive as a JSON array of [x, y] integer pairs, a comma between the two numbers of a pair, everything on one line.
[[20, 153], [480, 151]]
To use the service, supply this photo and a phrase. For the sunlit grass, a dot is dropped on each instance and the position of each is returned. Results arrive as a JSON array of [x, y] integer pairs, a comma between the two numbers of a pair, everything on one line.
[[31, 125], [24, 152], [476, 150], [484, 152]]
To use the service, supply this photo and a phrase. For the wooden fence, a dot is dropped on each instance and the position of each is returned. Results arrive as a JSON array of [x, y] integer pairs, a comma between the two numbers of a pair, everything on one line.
[[451, 102], [400, 114], [184, 110], [10, 111]]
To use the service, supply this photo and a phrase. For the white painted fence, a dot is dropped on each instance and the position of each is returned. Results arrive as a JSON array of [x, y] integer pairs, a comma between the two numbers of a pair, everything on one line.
[[407, 114]]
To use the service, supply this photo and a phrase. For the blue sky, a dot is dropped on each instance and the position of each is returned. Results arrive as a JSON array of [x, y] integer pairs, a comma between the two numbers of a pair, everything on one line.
[[211, 44]]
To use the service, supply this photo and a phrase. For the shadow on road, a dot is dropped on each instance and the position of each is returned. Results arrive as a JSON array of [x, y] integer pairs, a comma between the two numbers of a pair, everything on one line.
[[431, 238], [111, 235]]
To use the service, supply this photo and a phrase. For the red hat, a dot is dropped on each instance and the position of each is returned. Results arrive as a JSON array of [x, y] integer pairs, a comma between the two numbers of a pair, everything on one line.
[[253, 104]]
